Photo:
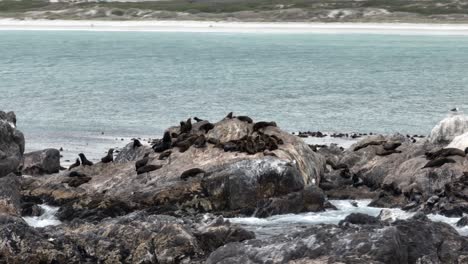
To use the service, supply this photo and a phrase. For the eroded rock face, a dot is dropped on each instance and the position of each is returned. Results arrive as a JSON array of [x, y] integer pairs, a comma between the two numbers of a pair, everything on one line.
[[41, 162], [365, 241], [11, 144]]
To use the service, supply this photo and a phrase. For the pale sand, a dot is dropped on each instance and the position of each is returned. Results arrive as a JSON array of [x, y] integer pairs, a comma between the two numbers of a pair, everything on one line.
[[241, 27]]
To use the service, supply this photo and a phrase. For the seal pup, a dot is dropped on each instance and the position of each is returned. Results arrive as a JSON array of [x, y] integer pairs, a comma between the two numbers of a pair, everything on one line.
[[165, 144], [84, 160], [165, 155], [262, 124], [438, 162], [245, 119], [445, 152], [197, 119], [74, 165], [109, 157], [191, 173], [148, 168], [142, 162], [136, 143]]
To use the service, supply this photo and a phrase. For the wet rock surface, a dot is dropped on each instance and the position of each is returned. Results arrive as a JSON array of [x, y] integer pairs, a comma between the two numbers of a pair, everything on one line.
[[41, 162]]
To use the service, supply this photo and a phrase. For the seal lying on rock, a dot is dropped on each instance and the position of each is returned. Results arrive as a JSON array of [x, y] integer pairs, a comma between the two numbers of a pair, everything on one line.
[[206, 127], [84, 160], [391, 145], [191, 173], [148, 168], [371, 143], [262, 124], [109, 157], [245, 119], [164, 155], [438, 162], [445, 152], [142, 162], [197, 119], [74, 165]]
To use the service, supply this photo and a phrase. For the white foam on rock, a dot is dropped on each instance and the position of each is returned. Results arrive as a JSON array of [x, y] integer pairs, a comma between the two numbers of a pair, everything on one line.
[[48, 218], [450, 127]]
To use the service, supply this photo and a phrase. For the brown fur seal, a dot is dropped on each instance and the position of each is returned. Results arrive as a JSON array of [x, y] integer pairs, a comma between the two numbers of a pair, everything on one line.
[[391, 145], [200, 142], [191, 173], [165, 144], [213, 141], [148, 168], [384, 152], [438, 162], [142, 162], [262, 124], [74, 165], [207, 127], [371, 143], [186, 127], [229, 116], [84, 160], [76, 174], [197, 119], [245, 119], [445, 152], [109, 157], [136, 143], [165, 155]]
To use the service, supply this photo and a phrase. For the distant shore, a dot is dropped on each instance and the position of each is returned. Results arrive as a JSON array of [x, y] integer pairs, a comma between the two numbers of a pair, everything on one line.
[[237, 27]]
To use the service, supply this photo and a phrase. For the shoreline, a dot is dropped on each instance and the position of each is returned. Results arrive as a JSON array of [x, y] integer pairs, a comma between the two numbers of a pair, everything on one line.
[[234, 27]]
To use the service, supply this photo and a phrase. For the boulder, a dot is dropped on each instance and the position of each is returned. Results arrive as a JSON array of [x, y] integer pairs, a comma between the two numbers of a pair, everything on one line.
[[447, 129], [41, 162], [231, 181], [11, 144]]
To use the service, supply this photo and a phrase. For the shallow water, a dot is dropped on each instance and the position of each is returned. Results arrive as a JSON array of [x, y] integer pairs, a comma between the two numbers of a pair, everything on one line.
[[68, 87], [280, 224]]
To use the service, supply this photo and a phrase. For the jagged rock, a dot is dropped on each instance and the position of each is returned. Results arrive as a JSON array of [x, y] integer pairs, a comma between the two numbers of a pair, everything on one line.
[[311, 199], [220, 232], [400, 242], [11, 144], [41, 162], [463, 221], [10, 197], [360, 219]]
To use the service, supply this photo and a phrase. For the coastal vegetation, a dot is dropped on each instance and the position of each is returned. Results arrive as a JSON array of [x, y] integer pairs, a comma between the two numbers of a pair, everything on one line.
[[258, 10]]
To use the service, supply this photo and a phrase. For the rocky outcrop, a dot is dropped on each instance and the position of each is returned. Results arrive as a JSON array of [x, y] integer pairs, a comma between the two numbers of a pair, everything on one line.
[[240, 164], [134, 238], [41, 162], [11, 144], [362, 241], [10, 197]]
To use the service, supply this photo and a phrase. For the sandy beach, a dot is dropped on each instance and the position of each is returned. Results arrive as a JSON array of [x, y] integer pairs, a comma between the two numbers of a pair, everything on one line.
[[239, 27]]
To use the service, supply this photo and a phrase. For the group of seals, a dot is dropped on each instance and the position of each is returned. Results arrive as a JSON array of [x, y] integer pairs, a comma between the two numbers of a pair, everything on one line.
[[440, 157], [252, 144]]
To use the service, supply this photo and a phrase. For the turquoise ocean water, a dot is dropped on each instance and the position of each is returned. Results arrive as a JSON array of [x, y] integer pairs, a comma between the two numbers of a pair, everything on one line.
[[67, 87]]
